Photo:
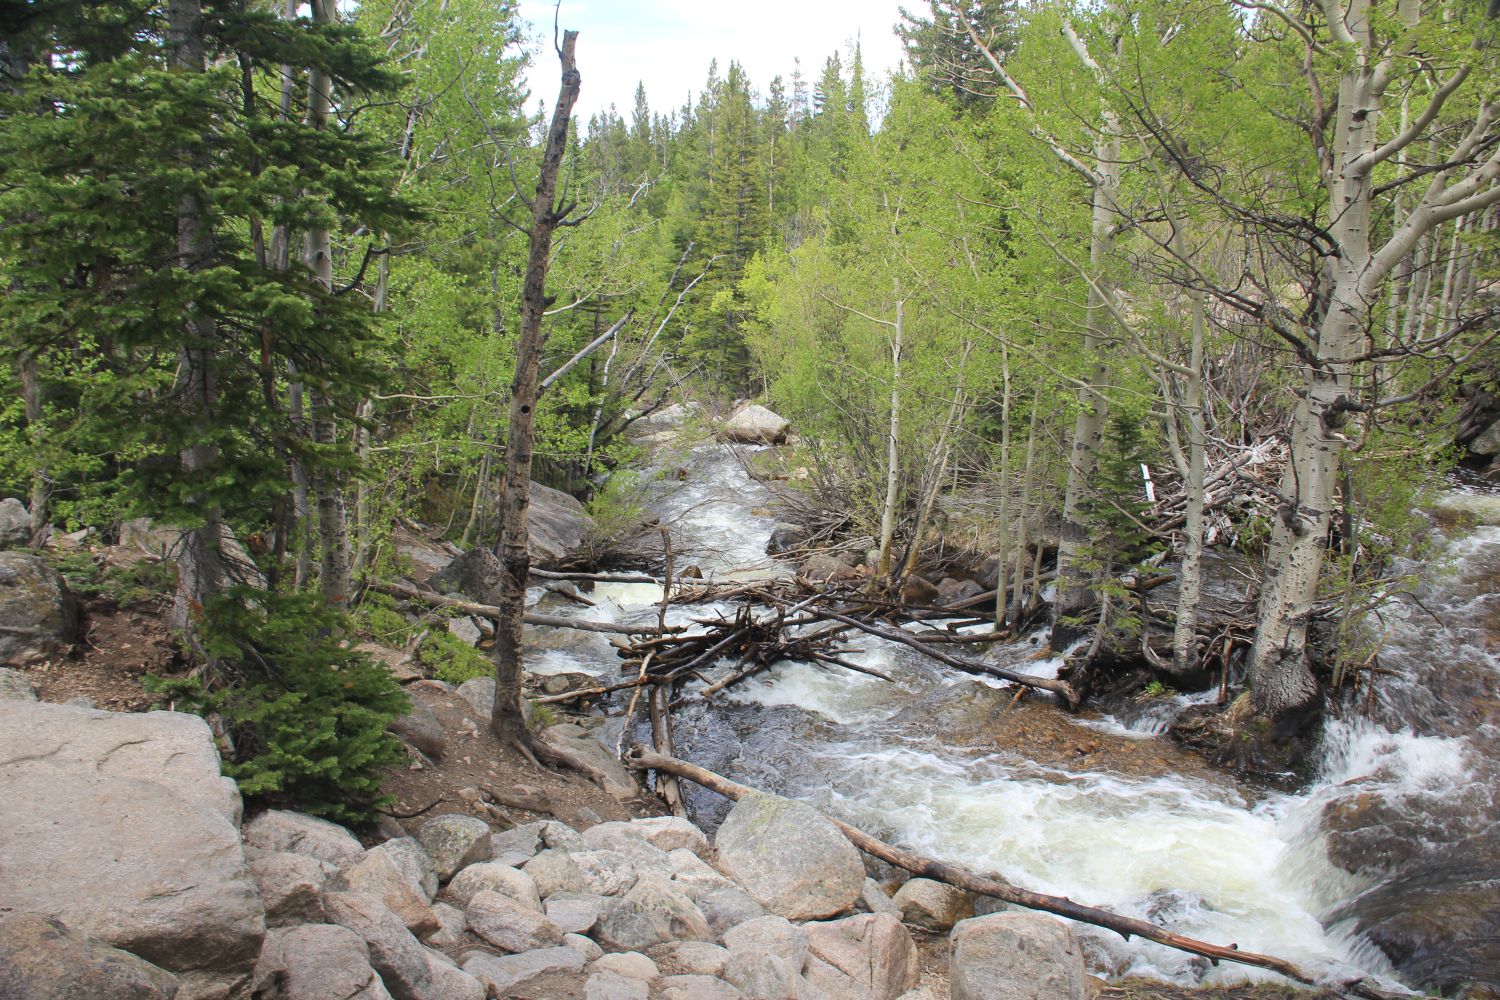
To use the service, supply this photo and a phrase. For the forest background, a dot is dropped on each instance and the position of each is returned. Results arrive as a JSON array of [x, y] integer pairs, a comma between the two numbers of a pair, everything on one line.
[[264, 263]]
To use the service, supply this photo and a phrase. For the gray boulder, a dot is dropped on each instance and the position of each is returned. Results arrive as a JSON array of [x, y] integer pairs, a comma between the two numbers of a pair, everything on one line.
[[409, 857], [690, 869], [874, 899], [1015, 956], [452, 925], [40, 959], [612, 986], [630, 964], [15, 524], [449, 982], [649, 914], [576, 912], [172, 886], [778, 935], [670, 833], [38, 616], [510, 926], [584, 946], [759, 973], [420, 728], [873, 950], [475, 574], [291, 885], [696, 988], [823, 568], [726, 908], [298, 833], [454, 841], [395, 954], [376, 875], [554, 871], [789, 857], [595, 760], [933, 906], [754, 424], [316, 962], [608, 873], [500, 973], [784, 538], [951, 591], [495, 877], [14, 686], [690, 958], [556, 526], [479, 692]]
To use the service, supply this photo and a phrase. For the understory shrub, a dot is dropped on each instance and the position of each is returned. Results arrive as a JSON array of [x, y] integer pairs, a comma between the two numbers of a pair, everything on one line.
[[307, 715]]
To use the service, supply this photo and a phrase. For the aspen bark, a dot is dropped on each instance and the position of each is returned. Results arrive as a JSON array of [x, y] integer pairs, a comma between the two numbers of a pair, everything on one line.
[[893, 436], [507, 720]]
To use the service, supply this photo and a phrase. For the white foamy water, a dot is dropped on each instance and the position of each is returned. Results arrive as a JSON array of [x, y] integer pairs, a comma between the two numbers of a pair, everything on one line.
[[1195, 855]]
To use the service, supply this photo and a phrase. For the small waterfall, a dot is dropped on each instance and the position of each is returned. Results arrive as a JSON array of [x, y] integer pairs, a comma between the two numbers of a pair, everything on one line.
[[1103, 810]]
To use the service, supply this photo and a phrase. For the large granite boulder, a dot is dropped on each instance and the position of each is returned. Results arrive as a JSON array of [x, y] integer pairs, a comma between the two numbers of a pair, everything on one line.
[[394, 952], [299, 833], [420, 728], [454, 841], [872, 951], [651, 913], [377, 875], [291, 886], [499, 973], [556, 526], [933, 906], [171, 887], [1015, 956], [15, 685], [40, 959], [509, 925], [316, 962], [789, 857], [38, 616], [754, 424], [475, 574]]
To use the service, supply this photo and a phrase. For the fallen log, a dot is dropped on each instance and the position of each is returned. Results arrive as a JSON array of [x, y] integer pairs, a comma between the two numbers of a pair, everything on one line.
[[552, 574], [1060, 688], [641, 759], [489, 611]]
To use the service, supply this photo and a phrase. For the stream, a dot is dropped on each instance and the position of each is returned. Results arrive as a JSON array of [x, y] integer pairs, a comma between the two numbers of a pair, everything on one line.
[[1393, 850]]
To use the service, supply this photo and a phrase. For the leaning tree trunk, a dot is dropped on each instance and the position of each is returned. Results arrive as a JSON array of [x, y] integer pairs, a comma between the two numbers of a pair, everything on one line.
[[201, 572], [507, 720]]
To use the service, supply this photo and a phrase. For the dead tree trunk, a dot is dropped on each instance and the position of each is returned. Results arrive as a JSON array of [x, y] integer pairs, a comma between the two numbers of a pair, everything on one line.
[[507, 720]]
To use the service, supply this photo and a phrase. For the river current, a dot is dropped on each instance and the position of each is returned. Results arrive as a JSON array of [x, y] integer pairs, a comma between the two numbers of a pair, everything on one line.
[[1105, 809]]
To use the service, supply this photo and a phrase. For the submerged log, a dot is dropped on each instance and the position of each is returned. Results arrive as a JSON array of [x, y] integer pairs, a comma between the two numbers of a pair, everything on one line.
[[645, 760]]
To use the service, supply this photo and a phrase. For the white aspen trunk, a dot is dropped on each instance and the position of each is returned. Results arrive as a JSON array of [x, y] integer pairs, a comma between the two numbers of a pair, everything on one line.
[[943, 451], [893, 436], [1281, 678], [1023, 516], [1190, 574], [1076, 595], [1002, 549]]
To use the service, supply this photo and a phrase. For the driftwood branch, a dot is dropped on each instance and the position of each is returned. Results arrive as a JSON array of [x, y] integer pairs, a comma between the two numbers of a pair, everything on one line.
[[642, 759], [530, 618]]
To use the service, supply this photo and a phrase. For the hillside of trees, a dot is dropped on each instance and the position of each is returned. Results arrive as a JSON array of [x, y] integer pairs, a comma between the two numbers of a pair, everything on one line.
[[1084, 288]]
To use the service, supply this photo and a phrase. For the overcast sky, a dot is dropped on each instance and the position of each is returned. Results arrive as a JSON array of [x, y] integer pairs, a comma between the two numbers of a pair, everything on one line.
[[667, 44]]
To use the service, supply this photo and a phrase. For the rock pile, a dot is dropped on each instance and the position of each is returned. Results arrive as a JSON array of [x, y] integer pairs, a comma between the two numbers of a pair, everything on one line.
[[124, 873]]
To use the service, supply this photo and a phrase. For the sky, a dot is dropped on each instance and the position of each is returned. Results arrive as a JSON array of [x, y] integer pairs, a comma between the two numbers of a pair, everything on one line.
[[667, 44]]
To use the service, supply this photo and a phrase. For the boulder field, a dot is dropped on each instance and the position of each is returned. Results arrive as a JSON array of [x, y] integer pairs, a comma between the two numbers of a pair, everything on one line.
[[125, 872]]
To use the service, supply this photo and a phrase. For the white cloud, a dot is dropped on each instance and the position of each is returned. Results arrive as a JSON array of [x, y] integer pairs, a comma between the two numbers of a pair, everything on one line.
[[667, 44]]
